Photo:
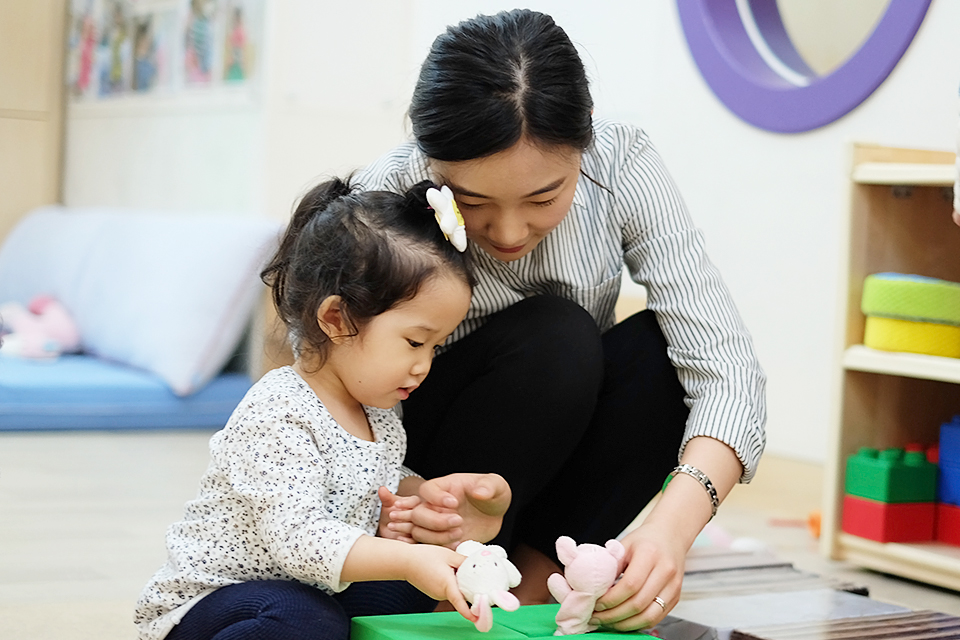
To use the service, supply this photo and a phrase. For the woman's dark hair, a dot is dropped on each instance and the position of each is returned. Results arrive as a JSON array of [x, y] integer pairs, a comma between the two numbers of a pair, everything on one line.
[[374, 249], [491, 80]]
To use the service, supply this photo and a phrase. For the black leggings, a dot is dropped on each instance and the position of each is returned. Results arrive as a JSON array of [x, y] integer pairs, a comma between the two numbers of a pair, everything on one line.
[[289, 610], [585, 427]]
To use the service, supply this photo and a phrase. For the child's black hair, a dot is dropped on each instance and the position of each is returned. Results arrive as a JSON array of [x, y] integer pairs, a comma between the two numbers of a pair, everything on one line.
[[374, 249]]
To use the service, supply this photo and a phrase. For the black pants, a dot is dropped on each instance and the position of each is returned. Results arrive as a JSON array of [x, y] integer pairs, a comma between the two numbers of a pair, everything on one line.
[[289, 610], [584, 427]]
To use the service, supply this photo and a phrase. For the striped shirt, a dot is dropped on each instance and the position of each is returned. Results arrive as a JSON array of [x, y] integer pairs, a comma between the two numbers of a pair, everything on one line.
[[636, 220]]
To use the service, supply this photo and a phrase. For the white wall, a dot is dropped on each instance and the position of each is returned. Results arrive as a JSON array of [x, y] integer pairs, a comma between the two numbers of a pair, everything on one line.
[[772, 206]]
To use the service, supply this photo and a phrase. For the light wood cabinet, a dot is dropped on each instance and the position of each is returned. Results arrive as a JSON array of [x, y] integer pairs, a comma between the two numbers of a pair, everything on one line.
[[899, 221], [31, 106]]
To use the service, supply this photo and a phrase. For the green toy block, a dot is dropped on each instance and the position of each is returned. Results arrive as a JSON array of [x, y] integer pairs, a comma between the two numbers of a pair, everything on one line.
[[891, 476], [532, 622], [539, 621], [443, 625]]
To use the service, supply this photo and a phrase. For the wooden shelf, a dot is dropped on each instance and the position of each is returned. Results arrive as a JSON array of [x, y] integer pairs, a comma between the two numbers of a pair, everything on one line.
[[902, 173], [909, 365], [888, 399], [929, 562]]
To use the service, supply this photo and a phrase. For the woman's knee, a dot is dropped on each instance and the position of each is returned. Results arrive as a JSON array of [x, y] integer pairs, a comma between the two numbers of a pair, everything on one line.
[[553, 333]]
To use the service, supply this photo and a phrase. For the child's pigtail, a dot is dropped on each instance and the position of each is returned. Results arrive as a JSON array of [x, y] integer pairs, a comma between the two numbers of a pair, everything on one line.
[[312, 204], [415, 199], [423, 217]]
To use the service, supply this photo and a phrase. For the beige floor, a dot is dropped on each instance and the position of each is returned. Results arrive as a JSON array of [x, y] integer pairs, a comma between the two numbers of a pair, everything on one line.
[[82, 518]]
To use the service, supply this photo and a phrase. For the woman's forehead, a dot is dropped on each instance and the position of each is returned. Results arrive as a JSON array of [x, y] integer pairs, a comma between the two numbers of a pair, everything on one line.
[[523, 170]]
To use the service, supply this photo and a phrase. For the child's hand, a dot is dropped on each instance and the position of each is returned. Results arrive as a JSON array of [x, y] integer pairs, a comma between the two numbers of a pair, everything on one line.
[[432, 570], [456, 507], [429, 568], [390, 503]]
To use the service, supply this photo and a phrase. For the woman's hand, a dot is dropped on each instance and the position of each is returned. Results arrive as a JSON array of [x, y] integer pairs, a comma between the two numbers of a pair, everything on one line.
[[454, 508], [657, 549], [655, 561]]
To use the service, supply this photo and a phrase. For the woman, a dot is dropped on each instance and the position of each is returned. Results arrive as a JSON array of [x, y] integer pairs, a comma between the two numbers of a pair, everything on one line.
[[582, 416]]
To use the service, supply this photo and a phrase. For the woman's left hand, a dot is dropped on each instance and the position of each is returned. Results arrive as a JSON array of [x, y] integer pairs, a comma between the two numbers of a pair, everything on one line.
[[654, 568], [657, 549]]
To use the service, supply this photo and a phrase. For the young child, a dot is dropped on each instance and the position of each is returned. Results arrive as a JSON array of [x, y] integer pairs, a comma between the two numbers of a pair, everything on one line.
[[368, 287]]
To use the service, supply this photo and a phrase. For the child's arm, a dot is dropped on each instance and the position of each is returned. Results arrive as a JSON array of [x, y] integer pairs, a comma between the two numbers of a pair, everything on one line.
[[454, 508], [429, 568]]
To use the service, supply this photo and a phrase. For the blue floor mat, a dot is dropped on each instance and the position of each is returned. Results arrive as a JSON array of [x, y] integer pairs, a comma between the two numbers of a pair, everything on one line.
[[82, 392]]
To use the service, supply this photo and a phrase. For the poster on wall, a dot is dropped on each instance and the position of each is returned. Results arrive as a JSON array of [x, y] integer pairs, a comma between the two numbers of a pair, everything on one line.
[[124, 48], [220, 40]]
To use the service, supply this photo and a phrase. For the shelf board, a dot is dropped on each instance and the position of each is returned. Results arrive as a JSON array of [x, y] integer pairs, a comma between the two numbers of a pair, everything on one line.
[[896, 173], [930, 562], [909, 365]]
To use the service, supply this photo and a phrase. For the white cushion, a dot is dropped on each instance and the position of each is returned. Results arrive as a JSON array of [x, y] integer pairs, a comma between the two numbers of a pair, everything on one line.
[[170, 293]]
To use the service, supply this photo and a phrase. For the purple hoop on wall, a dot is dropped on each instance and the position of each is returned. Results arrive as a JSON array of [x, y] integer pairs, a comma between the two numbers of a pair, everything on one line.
[[748, 86]]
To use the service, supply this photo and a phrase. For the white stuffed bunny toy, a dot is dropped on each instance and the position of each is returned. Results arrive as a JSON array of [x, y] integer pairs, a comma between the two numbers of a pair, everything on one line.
[[485, 579]]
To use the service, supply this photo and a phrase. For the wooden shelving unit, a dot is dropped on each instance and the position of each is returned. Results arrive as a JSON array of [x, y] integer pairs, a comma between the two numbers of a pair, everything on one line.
[[900, 204]]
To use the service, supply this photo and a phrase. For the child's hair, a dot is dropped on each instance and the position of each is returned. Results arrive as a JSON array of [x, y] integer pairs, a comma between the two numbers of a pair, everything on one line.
[[491, 80], [374, 249]]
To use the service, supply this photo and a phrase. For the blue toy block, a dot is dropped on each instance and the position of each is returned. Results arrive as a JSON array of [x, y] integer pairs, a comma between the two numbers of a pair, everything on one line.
[[531, 622], [950, 442], [948, 483]]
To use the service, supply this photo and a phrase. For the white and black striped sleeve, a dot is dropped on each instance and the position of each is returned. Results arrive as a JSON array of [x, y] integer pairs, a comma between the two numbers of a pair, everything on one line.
[[708, 342]]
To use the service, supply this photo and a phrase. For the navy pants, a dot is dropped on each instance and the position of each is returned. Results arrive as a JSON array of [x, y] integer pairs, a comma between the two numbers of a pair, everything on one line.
[[585, 427], [289, 610]]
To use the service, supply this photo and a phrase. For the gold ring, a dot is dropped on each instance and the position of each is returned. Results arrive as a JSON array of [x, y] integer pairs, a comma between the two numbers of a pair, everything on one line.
[[660, 602]]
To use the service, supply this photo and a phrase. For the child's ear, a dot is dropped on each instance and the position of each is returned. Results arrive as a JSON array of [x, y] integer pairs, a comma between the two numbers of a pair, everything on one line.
[[331, 320]]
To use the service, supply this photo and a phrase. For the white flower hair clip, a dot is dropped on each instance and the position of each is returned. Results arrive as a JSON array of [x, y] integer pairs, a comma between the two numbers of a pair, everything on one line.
[[448, 216]]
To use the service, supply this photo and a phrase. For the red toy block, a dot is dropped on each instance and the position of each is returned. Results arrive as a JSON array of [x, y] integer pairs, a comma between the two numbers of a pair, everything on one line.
[[948, 524], [888, 522]]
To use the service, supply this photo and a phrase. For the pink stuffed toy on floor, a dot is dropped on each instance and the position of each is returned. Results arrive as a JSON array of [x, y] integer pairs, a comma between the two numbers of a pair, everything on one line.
[[42, 330], [589, 570]]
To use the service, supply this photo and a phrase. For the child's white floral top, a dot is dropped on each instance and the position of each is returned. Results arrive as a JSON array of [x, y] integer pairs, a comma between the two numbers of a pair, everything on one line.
[[287, 494]]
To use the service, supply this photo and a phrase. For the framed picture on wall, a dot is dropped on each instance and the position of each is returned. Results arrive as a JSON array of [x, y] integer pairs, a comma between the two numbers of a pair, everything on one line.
[[141, 48]]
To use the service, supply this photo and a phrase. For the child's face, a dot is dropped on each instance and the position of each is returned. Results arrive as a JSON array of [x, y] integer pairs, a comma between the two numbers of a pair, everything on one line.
[[511, 200], [393, 353]]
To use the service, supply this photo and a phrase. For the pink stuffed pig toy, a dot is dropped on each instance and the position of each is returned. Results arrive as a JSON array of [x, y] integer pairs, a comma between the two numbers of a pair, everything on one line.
[[589, 570], [43, 329]]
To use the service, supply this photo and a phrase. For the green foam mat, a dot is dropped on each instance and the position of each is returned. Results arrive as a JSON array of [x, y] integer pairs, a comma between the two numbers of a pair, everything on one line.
[[911, 297]]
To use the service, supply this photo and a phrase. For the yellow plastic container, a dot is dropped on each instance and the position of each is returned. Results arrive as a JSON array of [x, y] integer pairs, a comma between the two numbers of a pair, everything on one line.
[[892, 334]]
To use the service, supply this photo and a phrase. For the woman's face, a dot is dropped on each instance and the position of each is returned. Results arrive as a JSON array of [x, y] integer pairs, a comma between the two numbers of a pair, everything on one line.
[[511, 200]]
